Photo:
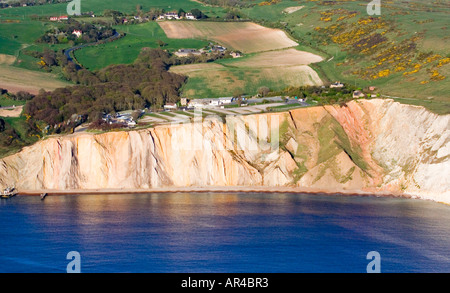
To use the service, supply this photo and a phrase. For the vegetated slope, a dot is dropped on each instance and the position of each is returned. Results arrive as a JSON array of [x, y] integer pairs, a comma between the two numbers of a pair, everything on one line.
[[126, 49], [215, 80], [273, 65], [243, 36], [404, 51], [367, 145]]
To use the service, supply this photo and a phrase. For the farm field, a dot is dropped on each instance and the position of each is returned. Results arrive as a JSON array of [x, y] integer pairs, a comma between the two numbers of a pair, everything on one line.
[[246, 37], [98, 6], [17, 79], [270, 60], [404, 52], [279, 58], [126, 49], [210, 80]]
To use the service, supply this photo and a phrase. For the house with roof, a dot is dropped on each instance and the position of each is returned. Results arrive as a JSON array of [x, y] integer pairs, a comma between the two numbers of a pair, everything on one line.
[[170, 106], [59, 18], [235, 54], [171, 15], [217, 48], [358, 94], [189, 16], [337, 84], [186, 52], [78, 33]]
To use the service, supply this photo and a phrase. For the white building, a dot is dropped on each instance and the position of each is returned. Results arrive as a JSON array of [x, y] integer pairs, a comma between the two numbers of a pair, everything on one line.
[[190, 16], [214, 102], [171, 15], [170, 106], [337, 85], [78, 33], [225, 100]]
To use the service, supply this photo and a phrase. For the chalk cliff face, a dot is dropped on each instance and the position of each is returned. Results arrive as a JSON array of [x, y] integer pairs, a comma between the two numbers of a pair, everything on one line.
[[371, 145]]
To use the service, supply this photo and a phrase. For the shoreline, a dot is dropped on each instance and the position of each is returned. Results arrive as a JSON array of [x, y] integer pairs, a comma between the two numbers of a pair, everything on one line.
[[217, 189]]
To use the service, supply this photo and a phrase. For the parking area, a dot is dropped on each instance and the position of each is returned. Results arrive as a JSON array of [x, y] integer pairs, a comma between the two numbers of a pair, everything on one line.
[[179, 116]]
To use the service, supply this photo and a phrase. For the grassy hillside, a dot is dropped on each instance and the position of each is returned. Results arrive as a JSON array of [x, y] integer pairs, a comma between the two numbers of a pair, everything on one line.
[[404, 52], [98, 6], [275, 70], [125, 50]]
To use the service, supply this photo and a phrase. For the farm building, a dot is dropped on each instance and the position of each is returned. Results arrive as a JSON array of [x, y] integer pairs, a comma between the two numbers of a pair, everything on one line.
[[78, 33], [225, 100], [198, 103], [59, 18], [169, 15], [190, 16], [184, 101], [235, 54], [170, 106], [337, 84], [186, 52], [217, 48], [358, 94]]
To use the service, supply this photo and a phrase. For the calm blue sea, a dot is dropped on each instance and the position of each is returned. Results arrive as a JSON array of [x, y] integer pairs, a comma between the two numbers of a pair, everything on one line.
[[223, 232]]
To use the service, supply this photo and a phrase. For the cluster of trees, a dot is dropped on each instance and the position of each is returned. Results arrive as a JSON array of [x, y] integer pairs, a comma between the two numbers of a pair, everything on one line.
[[198, 14], [91, 32], [145, 83], [11, 140], [51, 59], [8, 135], [202, 58], [233, 14], [19, 96]]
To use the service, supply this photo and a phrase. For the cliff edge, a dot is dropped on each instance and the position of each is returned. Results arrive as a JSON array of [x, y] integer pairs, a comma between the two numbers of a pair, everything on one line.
[[366, 145]]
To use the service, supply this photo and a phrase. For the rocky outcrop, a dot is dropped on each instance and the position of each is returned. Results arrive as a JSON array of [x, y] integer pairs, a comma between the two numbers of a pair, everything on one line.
[[367, 145]]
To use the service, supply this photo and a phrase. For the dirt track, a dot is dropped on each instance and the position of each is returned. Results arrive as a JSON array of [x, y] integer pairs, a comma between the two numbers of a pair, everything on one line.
[[11, 113]]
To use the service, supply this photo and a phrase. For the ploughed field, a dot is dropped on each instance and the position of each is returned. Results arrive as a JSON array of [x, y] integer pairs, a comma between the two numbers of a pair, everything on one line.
[[247, 37], [270, 59]]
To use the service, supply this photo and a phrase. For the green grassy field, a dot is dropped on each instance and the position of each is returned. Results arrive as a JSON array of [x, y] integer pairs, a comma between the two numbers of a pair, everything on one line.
[[126, 49], [7, 102], [336, 30], [99, 6], [214, 80], [18, 37], [18, 31]]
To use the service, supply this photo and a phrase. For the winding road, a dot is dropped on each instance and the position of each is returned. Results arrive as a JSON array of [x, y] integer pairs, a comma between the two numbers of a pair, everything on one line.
[[68, 51]]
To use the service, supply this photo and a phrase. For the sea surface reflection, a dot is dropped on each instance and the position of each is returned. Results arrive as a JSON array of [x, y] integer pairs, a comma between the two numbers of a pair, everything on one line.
[[223, 232]]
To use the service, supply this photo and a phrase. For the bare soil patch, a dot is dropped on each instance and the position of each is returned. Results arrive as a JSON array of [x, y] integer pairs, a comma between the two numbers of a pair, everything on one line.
[[289, 57], [17, 79], [11, 113], [293, 9], [7, 59]]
